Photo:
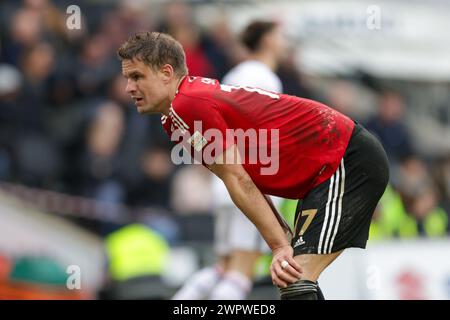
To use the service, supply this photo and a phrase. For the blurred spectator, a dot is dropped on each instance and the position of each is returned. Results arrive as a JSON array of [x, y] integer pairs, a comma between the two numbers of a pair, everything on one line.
[[137, 258], [389, 127], [39, 161], [116, 92], [441, 173], [37, 64], [25, 32], [137, 128], [10, 85], [52, 20], [191, 191], [430, 128], [99, 164], [412, 208], [291, 77], [128, 17], [178, 22], [342, 96], [96, 65], [153, 189], [222, 47], [419, 194]]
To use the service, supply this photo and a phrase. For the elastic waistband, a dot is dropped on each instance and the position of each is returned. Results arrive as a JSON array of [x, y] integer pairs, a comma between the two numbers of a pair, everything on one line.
[[357, 128]]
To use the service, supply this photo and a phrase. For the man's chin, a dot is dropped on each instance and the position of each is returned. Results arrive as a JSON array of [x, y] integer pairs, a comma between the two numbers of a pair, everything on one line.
[[144, 109]]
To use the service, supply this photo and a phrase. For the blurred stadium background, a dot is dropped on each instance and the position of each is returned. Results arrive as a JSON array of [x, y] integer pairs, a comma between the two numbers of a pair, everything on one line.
[[91, 206]]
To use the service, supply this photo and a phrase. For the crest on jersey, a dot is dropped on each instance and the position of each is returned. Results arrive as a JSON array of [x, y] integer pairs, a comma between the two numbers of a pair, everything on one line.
[[197, 141]]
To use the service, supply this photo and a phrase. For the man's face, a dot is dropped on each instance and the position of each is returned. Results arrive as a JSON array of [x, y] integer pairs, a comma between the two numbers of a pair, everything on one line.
[[278, 42], [146, 87]]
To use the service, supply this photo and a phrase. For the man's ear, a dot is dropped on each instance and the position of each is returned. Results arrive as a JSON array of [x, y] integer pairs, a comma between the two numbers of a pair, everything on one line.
[[167, 73]]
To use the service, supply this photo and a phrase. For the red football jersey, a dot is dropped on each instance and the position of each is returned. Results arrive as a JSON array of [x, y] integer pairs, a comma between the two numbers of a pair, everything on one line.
[[288, 144]]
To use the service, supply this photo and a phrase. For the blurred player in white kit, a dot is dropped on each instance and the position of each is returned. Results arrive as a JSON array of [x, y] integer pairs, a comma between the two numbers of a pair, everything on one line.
[[238, 243]]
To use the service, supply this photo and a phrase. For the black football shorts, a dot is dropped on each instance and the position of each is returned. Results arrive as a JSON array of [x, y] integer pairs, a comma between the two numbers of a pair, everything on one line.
[[336, 214]]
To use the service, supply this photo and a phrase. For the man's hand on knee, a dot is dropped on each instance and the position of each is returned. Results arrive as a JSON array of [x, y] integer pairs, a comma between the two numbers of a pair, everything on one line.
[[284, 269]]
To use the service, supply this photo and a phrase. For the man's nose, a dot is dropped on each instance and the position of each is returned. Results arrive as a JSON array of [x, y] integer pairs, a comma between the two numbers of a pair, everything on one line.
[[131, 87]]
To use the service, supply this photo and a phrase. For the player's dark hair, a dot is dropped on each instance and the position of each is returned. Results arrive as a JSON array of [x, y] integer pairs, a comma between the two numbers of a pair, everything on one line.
[[252, 35], [155, 49]]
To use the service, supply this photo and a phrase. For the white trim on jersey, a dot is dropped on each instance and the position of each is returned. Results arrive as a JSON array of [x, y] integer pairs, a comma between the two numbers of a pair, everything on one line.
[[176, 117]]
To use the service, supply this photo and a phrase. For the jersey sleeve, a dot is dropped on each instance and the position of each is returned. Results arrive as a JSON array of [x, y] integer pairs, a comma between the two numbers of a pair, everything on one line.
[[202, 129]]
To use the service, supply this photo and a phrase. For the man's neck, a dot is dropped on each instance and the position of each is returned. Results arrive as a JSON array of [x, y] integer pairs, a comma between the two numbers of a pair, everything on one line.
[[267, 58], [172, 93]]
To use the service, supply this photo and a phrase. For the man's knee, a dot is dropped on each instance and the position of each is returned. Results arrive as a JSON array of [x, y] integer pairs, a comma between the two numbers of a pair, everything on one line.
[[301, 290], [312, 266]]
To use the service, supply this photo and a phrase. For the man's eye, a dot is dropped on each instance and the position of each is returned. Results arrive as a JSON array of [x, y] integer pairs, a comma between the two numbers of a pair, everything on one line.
[[135, 78]]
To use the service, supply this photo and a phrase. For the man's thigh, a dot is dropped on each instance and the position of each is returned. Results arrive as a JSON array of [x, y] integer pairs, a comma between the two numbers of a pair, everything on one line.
[[314, 264]]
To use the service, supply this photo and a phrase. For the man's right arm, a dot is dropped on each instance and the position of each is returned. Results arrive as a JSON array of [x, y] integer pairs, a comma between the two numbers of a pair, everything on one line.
[[247, 197]]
